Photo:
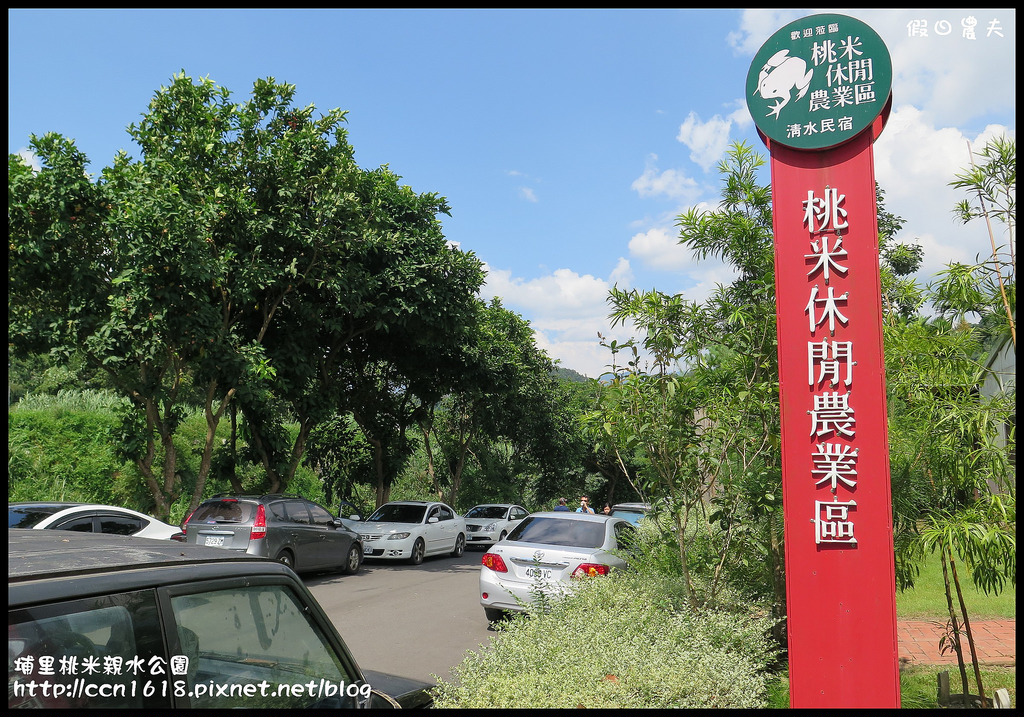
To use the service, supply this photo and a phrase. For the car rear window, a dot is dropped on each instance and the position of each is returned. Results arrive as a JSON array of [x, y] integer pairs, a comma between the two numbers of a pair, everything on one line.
[[632, 516], [559, 531], [224, 511], [27, 516]]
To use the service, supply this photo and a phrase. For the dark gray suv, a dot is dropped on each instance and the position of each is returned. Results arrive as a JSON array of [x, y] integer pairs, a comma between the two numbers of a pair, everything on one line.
[[112, 621], [289, 528]]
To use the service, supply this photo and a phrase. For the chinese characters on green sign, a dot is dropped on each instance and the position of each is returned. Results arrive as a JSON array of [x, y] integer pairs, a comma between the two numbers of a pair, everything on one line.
[[818, 82]]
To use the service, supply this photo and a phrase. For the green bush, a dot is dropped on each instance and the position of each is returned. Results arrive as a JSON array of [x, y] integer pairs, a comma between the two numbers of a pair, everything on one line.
[[622, 641], [62, 448]]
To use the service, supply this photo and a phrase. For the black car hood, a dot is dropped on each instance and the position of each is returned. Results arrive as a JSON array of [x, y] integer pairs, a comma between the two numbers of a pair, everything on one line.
[[408, 692]]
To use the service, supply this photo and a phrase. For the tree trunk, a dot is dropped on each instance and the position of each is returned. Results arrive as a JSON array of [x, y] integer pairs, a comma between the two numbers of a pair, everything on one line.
[[953, 622], [967, 628], [428, 448], [236, 485]]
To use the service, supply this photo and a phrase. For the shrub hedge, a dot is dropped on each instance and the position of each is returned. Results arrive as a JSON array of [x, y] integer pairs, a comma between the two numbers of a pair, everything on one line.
[[621, 641]]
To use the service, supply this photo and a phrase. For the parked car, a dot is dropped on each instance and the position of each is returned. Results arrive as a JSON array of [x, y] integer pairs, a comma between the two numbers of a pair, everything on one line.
[[489, 523], [413, 529], [288, 528], [89, 518], [168, 626], [547, 552], [633, 512]]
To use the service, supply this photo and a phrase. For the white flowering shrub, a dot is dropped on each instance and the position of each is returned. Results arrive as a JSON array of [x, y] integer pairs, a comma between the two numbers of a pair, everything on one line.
[[623, 641]]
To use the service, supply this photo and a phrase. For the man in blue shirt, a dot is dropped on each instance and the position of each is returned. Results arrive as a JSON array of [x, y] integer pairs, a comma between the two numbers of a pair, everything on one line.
[[562, 505], [584, 505]]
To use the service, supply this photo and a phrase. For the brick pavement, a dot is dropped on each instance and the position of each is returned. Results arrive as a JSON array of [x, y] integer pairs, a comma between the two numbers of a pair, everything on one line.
[[995, 641]]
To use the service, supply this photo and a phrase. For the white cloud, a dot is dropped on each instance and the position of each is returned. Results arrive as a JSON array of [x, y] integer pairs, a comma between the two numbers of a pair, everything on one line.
[[670, 183], [566, 310], [30, 158], [707, 140], [756, 26], [659, 248], [563, 293], [949, 76], [914, 164], [527, 194], [622, 274]]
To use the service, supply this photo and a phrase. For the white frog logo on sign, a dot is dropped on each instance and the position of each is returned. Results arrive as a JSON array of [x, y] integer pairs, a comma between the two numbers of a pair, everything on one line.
[[778, 78]]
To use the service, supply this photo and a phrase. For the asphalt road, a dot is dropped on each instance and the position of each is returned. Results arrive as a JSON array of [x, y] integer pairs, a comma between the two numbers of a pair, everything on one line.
[[408, 620]]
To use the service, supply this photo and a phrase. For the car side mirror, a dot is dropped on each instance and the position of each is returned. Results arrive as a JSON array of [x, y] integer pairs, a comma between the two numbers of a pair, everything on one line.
[[355, 517], [432, 519], [382, 701]]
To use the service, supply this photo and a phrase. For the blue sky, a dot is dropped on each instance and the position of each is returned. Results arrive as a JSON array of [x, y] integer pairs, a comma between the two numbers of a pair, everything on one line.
[[566, 141]]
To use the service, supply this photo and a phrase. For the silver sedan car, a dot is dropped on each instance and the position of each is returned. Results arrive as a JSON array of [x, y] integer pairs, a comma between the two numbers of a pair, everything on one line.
[[413, 529], [489, 523], [549, 552]]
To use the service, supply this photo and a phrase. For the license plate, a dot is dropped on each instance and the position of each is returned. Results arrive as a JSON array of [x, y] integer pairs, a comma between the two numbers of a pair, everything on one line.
[[367, 550], [215, 541], [538, 573]]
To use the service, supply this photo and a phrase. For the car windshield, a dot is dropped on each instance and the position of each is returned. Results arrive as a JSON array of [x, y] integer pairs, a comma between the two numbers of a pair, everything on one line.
[[559, 531], [487, 511], [398, 513], [28, 516]]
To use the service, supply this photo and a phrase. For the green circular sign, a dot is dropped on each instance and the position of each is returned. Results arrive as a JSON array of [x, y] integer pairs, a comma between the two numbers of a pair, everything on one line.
[[819, 81]]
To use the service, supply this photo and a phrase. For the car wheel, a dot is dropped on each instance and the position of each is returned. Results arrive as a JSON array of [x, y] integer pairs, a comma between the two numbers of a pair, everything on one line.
[[286, 557], [354, 560], [418, 549], [493, 614], [460, 546]]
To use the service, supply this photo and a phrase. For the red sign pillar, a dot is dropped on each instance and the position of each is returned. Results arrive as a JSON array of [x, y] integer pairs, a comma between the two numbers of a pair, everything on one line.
[[840, 571]]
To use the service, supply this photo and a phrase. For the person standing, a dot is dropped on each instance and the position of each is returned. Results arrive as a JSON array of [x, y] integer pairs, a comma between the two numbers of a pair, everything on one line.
[[585, 506], [607, 510], [562, 505]]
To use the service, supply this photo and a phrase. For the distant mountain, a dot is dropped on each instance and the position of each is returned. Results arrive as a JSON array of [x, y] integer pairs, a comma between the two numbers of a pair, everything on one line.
[[567, 374]]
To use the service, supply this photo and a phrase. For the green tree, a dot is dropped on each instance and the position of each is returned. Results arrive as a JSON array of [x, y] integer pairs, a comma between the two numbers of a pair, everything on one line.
[[702, 414], [238, 253], [402, 301], [503, 401], [988, 287], [953, 489]]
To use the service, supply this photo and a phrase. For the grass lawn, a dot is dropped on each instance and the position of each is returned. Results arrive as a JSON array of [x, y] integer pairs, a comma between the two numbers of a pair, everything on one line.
[[927, 600], [919, 685]]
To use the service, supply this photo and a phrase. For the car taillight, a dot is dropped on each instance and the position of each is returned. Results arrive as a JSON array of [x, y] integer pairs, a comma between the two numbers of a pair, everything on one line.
[[587, 570], [494, 562], [184, 525], [259, 526]]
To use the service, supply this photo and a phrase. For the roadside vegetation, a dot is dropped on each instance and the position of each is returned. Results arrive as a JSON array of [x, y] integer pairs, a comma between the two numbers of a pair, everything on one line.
[[629, 640], [242, 308]]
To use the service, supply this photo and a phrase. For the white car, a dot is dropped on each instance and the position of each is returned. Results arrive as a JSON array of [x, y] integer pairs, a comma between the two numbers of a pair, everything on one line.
[[411, 530], [549, 551], [489, 523], [89, 518]]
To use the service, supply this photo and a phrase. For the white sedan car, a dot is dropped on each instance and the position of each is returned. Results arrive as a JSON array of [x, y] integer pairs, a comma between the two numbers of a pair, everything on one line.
[[411, 530], [89, 518], [491, 522], [548, 552]]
